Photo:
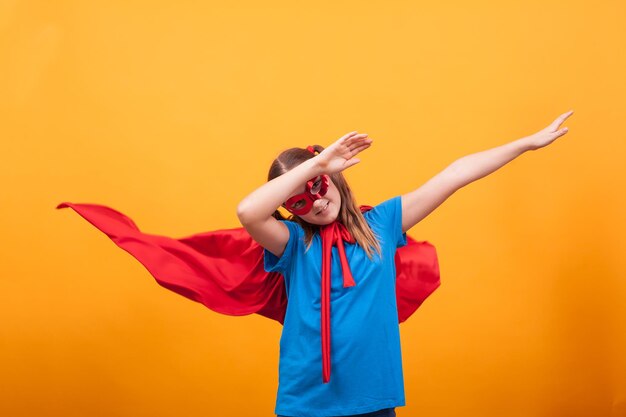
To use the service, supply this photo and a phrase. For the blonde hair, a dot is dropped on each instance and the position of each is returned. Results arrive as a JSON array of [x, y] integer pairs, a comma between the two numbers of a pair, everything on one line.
[[349, 213]]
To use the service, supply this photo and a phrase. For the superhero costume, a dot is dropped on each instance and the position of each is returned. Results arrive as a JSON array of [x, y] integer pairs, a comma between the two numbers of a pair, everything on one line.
[[223, 269]]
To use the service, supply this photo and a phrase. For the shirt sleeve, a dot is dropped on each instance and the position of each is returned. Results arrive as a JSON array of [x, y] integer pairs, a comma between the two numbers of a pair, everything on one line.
[[388, 216], [272, 263]]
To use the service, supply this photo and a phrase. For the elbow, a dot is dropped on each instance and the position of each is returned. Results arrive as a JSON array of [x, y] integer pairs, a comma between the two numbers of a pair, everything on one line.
[[250, 213], [457, 174], [457, 168], [247, 214], [242, 212]]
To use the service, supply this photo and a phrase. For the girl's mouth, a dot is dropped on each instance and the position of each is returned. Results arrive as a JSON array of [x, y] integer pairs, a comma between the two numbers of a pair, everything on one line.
[[324, 209]]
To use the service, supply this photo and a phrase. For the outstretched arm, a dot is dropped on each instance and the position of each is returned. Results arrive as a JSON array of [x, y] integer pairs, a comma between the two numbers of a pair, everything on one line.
[[420, 203]]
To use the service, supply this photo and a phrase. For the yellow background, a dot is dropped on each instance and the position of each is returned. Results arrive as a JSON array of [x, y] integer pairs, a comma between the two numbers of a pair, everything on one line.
[[172, 112]]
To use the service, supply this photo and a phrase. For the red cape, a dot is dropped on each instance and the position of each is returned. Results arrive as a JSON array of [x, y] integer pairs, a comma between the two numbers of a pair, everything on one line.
[[224, 271]]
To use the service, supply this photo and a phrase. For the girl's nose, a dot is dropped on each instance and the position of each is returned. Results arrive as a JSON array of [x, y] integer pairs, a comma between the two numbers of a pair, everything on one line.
[[319, 204]]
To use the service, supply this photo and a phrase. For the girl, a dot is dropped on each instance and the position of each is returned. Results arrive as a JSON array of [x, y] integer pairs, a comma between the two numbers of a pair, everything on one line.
[[330, 252], [355, 279]]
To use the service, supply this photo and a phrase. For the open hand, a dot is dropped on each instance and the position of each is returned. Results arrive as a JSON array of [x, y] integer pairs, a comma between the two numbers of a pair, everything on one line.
[[341, 154], [549, 134]]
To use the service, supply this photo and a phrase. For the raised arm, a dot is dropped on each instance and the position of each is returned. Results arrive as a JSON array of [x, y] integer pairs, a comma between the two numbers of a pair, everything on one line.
[[256, 209], [420, 203]]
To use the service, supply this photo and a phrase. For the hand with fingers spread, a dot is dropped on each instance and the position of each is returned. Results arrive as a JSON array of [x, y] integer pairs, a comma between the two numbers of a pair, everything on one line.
[[341, 154], [549, 134]]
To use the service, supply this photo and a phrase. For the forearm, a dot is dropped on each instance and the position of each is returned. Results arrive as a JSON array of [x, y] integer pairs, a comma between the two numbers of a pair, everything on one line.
[[263, 202], [478, 165]]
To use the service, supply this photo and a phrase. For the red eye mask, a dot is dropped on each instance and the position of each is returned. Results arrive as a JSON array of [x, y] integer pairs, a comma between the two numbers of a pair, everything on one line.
[[302, 203]]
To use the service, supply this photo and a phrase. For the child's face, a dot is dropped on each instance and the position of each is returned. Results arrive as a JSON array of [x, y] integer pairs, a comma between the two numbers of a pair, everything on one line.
[[325, 209]]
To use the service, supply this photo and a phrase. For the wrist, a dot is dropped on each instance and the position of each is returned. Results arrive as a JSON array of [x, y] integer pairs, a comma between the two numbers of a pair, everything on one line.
[[527, 144], [313, 167]]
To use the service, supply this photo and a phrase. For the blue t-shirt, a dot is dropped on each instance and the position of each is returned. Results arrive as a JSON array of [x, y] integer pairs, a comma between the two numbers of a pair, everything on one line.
[[366, 361]]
